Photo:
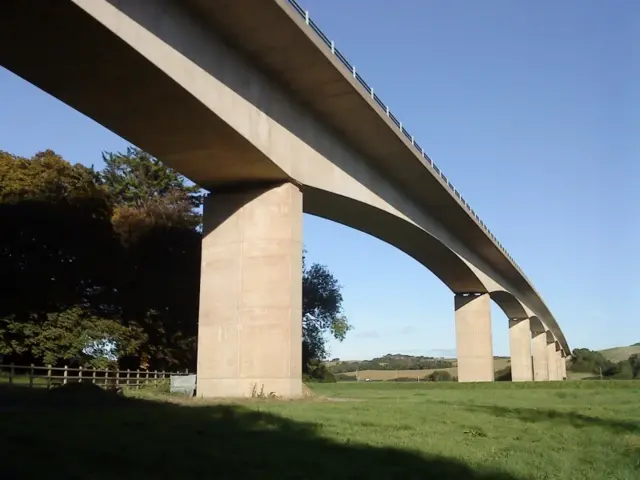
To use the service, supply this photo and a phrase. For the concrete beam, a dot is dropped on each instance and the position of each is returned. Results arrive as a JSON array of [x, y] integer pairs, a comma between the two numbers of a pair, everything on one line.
[[520, 347], [539, 348], [250, 326], [473, 337]]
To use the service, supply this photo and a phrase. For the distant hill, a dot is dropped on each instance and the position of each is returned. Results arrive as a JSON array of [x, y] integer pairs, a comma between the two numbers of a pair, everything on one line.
[[499, 364], [619, 354], [400, 363]]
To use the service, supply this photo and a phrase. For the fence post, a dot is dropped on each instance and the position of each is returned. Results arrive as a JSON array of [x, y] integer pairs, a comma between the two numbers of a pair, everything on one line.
[[31, 376], [80, 374], [49, 376], [12, 372], [65, 374], [146, 381], [93, 377], [117, 377], [138, 379], [128, 376]]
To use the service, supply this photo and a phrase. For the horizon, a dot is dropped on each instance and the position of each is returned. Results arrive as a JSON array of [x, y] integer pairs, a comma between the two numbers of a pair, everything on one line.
[[533, 121]]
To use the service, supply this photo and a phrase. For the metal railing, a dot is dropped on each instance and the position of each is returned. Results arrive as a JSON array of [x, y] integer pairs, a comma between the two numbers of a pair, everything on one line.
[[369, 90]]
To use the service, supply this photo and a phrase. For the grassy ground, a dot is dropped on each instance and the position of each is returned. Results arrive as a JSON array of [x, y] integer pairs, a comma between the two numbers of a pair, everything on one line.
[[499, 364], [571, 430]]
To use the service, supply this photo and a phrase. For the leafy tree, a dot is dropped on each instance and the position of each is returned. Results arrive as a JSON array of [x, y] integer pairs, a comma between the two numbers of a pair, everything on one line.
[[155, 213], [634, 362], [585, 360], [317, 371], [54, 219], [321, 312], [146, 192], [72, 334], [107, 264]]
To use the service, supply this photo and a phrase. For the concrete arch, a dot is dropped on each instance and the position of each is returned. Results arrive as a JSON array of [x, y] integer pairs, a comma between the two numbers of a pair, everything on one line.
[[509, 304], [395, 231], [537, 327]]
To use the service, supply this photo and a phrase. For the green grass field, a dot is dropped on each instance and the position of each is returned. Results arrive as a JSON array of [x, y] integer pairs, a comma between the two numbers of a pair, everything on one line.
[[560, 430]]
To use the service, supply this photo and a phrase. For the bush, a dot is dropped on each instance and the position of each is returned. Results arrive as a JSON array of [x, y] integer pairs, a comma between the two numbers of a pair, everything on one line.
[[342, 377], [503, 375], [404, 379], [318, 372], [440, 376]]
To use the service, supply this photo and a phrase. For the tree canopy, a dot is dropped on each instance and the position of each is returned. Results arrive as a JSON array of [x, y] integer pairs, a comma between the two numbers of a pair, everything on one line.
[[104, 266], [588, 361]]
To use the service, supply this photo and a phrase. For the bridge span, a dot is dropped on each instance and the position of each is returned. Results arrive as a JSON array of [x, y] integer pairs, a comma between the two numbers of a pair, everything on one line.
[[250, 100]]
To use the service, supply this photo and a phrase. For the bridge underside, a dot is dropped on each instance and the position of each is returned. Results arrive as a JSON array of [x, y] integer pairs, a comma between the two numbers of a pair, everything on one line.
[[169, 95]]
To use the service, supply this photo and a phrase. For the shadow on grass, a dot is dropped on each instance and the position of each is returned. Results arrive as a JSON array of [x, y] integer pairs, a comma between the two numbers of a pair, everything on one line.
[[98, 435], [576, 420]]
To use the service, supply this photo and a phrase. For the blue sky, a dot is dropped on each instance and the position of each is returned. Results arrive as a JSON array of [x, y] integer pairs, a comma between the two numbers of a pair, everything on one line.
[[531, 108]]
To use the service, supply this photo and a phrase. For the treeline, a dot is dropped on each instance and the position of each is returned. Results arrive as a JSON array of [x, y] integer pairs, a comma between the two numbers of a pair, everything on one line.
[[393, 362], [588, 361], [104, 266]]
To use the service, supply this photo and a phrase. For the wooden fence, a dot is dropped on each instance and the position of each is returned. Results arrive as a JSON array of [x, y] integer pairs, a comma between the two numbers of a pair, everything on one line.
[[48, 376]]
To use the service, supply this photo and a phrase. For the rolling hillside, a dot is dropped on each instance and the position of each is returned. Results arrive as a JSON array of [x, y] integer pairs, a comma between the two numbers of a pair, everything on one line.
[[619, 354], [499, 364]]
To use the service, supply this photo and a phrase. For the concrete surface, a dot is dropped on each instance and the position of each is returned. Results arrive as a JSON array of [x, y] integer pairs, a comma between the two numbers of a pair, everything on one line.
[[540, 360], [520, 347], [249, 333], [236, 95], [473, 338]]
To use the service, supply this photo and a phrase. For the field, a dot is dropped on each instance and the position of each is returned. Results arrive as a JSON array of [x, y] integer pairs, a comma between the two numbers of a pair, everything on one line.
[[560, 430], [499, 364], [619, 354]]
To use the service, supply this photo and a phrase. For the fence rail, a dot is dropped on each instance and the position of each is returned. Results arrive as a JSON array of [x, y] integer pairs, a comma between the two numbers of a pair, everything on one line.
[[385, 109], [47, 376]]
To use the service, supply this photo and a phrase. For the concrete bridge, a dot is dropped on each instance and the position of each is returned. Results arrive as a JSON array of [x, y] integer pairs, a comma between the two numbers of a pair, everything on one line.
[[251, 101]]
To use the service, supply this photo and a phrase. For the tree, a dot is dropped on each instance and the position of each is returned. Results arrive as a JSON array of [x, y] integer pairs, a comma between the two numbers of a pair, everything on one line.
[[588, 361], [321, 312], [73, 334], [155, 214], [54, 218], [146, 193], [106, 265], [634, 361]]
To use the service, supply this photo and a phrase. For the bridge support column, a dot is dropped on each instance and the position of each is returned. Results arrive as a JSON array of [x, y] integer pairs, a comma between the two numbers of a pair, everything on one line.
[[559, 361], [250, 330], [473, 338], [539, 347], [552, 361], [563, 365], [520, 347]]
